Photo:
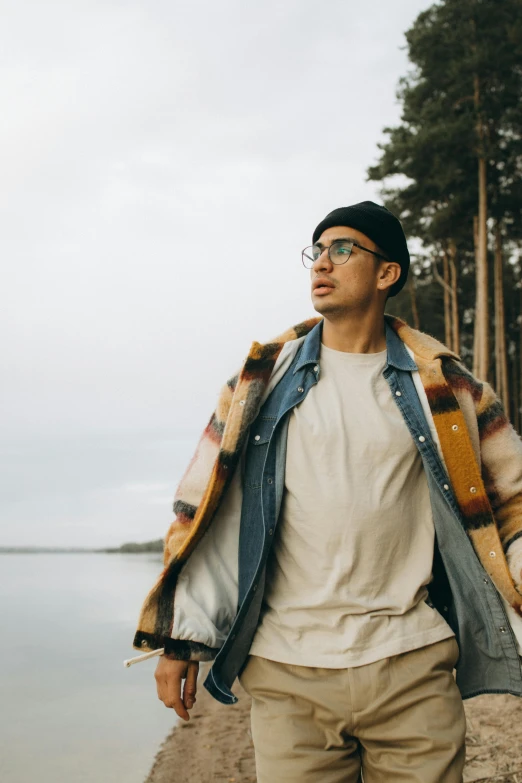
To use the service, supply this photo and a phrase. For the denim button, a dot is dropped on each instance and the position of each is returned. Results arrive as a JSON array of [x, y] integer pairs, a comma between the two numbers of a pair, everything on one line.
[[300, 389], [446, 486], [270, 481], [398, 394], [422, 438], [270, 532], [257, 437]]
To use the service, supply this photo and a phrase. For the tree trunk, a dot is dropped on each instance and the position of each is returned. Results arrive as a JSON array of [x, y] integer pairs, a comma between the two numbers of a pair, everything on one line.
[[498, 326], [501, 374], [455, 329], [519, 397], [515, 412], [476, 329], [413, 300], [482, 310], [451, 314], [482, 306], [447, 310]]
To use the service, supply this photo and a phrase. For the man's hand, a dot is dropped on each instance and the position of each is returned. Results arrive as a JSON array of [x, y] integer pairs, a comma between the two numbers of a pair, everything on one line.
[[169, 675]]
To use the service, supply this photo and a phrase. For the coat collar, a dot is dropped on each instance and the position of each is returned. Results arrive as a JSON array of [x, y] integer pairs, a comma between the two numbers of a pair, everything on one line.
[[397, 355], [424, 346]]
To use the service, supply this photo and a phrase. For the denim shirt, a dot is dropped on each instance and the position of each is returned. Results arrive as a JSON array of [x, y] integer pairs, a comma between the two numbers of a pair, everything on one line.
[[460, 590]]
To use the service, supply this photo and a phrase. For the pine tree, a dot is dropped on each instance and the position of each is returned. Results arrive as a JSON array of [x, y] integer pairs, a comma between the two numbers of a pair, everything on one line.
[[458, 149]]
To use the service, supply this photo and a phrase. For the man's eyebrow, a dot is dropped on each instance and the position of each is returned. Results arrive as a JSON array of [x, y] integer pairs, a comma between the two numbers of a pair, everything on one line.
[[337, 239]]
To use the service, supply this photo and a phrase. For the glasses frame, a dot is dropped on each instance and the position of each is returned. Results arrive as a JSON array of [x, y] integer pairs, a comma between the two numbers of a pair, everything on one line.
[[353, 244]]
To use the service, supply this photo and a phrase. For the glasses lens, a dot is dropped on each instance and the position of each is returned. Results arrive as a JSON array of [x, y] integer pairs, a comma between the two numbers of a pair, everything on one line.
[[340, 252], [308, 255]]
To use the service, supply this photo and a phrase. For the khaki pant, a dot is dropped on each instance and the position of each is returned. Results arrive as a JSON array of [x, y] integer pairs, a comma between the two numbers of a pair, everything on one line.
[[400, 719]]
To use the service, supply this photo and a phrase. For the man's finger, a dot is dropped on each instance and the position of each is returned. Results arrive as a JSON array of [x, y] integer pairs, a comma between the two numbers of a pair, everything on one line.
[[174, 696], [190, 688], [179, 708]]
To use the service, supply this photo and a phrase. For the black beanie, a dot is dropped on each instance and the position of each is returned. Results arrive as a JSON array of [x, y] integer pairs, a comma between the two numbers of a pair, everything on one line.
[[380, 225]]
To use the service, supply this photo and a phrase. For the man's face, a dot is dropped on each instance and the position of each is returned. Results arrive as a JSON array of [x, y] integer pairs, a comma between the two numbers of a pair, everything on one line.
[[354, 285]]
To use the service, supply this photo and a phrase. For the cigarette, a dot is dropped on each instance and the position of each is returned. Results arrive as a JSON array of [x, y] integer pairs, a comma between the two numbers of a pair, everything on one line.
[[143, 657]]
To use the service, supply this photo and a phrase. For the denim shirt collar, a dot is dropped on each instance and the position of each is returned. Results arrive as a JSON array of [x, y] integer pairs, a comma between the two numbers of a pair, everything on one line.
[[397, 355]]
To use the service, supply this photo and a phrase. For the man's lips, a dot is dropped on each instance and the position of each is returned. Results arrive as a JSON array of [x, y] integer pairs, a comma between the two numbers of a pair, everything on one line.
[[322, 286]]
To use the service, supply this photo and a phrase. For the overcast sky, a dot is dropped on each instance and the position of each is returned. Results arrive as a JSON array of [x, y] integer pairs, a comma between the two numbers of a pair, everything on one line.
[[163, 163]]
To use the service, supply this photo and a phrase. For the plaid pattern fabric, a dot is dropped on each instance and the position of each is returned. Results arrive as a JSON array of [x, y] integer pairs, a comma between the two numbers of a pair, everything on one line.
[[482, 452]]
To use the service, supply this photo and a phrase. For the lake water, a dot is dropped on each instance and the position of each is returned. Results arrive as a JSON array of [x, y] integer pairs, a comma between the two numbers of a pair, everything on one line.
[[70, 711]]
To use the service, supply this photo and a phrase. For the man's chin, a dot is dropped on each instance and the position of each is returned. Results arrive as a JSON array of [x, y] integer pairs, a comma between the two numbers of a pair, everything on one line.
[[322, 305]]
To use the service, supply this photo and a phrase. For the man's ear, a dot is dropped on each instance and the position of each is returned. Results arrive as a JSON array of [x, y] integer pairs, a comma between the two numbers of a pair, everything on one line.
[[390, 273], [394, 269]]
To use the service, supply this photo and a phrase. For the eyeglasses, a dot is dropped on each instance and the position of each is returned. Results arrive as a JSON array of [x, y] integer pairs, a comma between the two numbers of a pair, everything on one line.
[[338, 252]]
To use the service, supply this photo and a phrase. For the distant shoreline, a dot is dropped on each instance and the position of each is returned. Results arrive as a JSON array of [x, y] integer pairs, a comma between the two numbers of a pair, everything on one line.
[[127, 549]]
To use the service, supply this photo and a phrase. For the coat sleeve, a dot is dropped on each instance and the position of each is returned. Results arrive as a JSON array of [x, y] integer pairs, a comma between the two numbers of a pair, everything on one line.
[[501, 456], [206, 597], [190, 608], [192, 486]]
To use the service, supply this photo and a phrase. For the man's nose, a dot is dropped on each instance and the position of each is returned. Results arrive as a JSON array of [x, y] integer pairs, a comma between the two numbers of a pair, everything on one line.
[[322, 261]]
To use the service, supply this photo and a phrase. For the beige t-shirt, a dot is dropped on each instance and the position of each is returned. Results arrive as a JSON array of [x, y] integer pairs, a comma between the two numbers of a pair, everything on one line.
[[353, 553]]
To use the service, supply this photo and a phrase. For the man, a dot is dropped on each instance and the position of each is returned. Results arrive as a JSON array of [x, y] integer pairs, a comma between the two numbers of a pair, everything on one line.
[[360, 493]]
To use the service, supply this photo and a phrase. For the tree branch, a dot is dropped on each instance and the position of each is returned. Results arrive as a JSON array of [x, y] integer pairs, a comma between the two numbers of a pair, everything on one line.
[[438, 277]]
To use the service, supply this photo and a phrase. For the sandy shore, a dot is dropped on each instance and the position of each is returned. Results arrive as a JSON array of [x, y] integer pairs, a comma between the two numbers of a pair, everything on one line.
[[216, 745]]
